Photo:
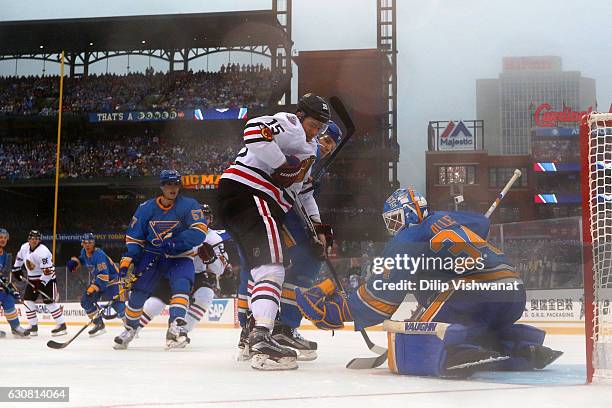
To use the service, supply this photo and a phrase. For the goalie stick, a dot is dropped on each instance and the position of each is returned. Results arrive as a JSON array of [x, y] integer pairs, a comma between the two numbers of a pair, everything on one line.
[[361, 363], [57, 345]]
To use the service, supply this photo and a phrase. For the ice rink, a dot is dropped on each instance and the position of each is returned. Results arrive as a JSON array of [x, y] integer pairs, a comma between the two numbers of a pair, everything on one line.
[[206, 374]]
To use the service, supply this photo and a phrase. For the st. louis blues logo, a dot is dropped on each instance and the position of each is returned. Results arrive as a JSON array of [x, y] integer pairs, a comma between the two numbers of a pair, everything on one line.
[[161, 229]]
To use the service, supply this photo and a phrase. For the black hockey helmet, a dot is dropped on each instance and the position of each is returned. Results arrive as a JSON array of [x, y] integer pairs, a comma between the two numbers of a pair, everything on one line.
[[34, 234], [314, 106]]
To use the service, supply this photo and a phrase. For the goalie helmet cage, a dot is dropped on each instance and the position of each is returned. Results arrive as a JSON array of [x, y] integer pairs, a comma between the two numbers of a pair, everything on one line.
[[596, 174]]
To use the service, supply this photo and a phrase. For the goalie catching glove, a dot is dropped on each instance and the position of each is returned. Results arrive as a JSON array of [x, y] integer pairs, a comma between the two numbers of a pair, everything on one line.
[[323, 306]]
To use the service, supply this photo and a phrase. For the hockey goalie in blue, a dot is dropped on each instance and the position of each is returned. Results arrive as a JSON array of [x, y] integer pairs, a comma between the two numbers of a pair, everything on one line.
[[160, 243], [462, 284]]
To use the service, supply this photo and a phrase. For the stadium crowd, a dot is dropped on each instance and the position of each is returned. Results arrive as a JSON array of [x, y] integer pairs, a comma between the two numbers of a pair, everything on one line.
[[113, 156], [251, 86]]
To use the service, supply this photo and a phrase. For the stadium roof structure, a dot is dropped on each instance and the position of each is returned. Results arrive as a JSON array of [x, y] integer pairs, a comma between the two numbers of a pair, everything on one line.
[[134, 33]]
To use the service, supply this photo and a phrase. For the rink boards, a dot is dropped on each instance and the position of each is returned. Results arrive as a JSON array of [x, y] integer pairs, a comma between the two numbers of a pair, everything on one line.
[[556, 311]]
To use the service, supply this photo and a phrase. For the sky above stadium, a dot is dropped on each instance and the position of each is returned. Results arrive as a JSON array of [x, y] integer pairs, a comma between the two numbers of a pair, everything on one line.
[[444, 46]]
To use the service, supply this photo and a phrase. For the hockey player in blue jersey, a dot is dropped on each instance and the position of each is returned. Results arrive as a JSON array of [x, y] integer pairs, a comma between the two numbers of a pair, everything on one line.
[[305, 266], [8, 294], [458, 279], [104, 282], [160, 241]]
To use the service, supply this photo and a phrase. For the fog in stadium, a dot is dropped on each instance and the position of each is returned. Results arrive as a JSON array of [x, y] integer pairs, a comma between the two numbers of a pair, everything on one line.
[[480, 128]]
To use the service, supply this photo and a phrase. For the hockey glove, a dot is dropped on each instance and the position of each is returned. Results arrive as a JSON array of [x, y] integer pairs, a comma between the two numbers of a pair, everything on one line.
[[93, 288], [73, 264], [287, 174], [124, 266], [172, 247], [327, 231], [323, 306], [9, 288], [206, 253], [18, 274]]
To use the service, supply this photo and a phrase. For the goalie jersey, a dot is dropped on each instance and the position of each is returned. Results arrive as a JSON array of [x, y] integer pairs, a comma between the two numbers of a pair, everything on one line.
[[153, 222], [428, 254]]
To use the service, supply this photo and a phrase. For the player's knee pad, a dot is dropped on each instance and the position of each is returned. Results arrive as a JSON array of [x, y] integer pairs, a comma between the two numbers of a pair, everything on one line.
[[269, 272], [87, 303], [6, 301], [137, 298], [181, 285], [153, 307], [203, 297], [420, 348], [304, 266]]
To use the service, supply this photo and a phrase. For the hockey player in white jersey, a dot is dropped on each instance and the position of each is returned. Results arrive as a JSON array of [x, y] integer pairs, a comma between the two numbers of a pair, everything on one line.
[[254, 195], [40, 281]]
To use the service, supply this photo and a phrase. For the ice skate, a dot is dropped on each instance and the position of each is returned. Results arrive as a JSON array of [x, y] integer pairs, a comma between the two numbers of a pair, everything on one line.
[[267, 354], [176, 336], [59, 330], [98, 329], [123, 340], [288, 337], [20, 332]]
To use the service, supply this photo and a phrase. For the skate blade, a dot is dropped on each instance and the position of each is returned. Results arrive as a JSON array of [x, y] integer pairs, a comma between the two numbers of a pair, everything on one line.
[[33, 334], [181, 344], [306, 355], [62, 333], [96, 334], [244, 354], [263, 363], [119, 346]]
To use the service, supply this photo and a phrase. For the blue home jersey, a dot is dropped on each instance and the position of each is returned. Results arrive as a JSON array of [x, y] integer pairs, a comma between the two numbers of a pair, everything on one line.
[[445, 246], [104, 269], [153, 222]]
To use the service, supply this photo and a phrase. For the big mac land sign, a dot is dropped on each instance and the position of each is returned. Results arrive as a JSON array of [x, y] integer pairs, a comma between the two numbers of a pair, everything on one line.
[[544, 116]]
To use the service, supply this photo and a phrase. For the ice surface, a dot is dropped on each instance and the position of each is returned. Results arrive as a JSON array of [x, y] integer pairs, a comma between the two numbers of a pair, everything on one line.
[[206, 374]]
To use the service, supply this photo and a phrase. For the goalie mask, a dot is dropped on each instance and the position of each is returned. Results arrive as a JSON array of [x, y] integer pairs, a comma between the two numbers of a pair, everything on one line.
[[404, 207]]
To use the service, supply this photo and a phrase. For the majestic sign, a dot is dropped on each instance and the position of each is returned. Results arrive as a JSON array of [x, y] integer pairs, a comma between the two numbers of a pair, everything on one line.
[[545, 117], [456, 137]]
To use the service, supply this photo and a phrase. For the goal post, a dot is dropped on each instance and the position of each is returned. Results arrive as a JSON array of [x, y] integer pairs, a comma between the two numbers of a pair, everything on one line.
[[596, 174]]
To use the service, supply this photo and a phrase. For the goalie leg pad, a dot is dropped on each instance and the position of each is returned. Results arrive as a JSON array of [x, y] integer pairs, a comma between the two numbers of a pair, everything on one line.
[[422, 350], [521, 342]]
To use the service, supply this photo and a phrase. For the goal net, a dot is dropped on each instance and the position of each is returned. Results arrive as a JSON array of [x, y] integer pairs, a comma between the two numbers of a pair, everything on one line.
[[596, 152]]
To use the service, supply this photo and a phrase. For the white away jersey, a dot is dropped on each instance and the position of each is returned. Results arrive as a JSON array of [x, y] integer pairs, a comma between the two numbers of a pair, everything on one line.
[[213, 238], [38, 262], [267, 140]]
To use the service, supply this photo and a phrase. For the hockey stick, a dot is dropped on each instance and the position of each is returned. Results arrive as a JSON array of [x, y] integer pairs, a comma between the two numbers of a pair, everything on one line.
[[346, 120], [310, 226], [373, 362], [57, 345], [502, 194]]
